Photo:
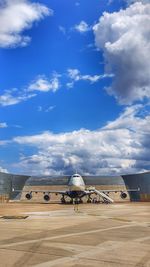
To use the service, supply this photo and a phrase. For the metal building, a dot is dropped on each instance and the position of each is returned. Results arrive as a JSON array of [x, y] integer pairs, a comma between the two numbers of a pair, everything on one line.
[[8, 182], [141, 181]]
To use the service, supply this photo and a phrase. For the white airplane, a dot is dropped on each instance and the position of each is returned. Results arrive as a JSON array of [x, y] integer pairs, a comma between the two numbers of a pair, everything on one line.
[[77, 190]]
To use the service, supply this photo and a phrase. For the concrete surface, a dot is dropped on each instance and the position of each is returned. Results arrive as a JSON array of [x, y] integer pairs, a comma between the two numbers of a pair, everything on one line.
[[56, 235]]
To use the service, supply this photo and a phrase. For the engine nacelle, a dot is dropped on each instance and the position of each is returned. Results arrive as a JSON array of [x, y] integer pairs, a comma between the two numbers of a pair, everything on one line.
[[28, 196], [123, 195], [46, 197]]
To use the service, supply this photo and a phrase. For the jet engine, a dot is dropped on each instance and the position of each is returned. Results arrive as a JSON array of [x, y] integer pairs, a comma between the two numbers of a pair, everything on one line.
[[28, 196], [123, 195], [46, 197]]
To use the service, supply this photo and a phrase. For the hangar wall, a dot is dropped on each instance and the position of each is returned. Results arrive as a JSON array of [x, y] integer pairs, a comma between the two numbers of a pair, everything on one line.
[[133, 181], [5, 187], [8, 182], [57, 183], [141, 181]]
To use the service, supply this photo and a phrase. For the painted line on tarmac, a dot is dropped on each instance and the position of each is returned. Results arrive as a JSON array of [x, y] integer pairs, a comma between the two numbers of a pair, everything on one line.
[[90, 254], [69, 235]]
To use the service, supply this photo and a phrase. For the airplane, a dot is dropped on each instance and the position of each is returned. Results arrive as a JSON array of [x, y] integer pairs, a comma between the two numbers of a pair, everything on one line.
[[77, 190]]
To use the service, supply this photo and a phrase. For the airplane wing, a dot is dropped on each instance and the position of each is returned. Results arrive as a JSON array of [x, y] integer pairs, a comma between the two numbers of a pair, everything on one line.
[[126, 190], [92, 189], [40, 191], [46, 193]]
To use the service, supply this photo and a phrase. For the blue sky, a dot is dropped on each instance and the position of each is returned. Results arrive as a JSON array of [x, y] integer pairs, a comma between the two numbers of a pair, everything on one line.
[[74, 86]]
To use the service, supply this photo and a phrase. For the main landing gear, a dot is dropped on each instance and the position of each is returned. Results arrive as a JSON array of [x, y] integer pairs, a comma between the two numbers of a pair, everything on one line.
[[63, 200], [89, 200]]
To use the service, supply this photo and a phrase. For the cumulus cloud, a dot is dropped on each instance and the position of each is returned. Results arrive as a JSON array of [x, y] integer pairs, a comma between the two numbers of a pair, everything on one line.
[[129, 120], [44, 85], [82, 27], [75, 76], [17, 16], [124, 37], [118, 148]]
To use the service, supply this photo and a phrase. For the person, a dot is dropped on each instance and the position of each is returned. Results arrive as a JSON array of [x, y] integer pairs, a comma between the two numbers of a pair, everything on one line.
[[76, 205], [94, 200]]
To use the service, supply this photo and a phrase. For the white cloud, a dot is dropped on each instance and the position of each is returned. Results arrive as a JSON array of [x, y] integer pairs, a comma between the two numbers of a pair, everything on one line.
[[40, 108], [122, 146], [13, 97], [77, 4], [16, 126], [3, 125], [48, 109], [70, 84], [110, 2], [62, 29], [3, 170], [4, 142], [17, 16], [124, 37], [129, 2], [132, 120], [75, 76], [44, 85], [82, 27]]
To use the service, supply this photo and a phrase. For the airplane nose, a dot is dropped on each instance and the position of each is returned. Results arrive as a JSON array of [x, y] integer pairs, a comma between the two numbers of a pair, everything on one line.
[[76, 183], [75, 186]]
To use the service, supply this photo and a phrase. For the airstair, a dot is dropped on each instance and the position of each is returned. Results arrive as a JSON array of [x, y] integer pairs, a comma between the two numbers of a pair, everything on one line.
[[105, 197]]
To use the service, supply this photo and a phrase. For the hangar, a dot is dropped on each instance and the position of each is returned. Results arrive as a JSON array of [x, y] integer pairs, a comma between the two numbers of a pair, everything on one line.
[[19, 182]]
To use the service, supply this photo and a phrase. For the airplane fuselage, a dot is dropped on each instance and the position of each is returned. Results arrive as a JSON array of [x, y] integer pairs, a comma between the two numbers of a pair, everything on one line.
[[76, 186], [76, 183]]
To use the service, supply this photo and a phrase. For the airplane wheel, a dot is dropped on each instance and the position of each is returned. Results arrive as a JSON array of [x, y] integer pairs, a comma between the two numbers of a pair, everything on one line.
[[63, 201]]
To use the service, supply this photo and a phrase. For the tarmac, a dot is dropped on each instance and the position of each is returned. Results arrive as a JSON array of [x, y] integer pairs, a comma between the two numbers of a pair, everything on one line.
[[95, 235]]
